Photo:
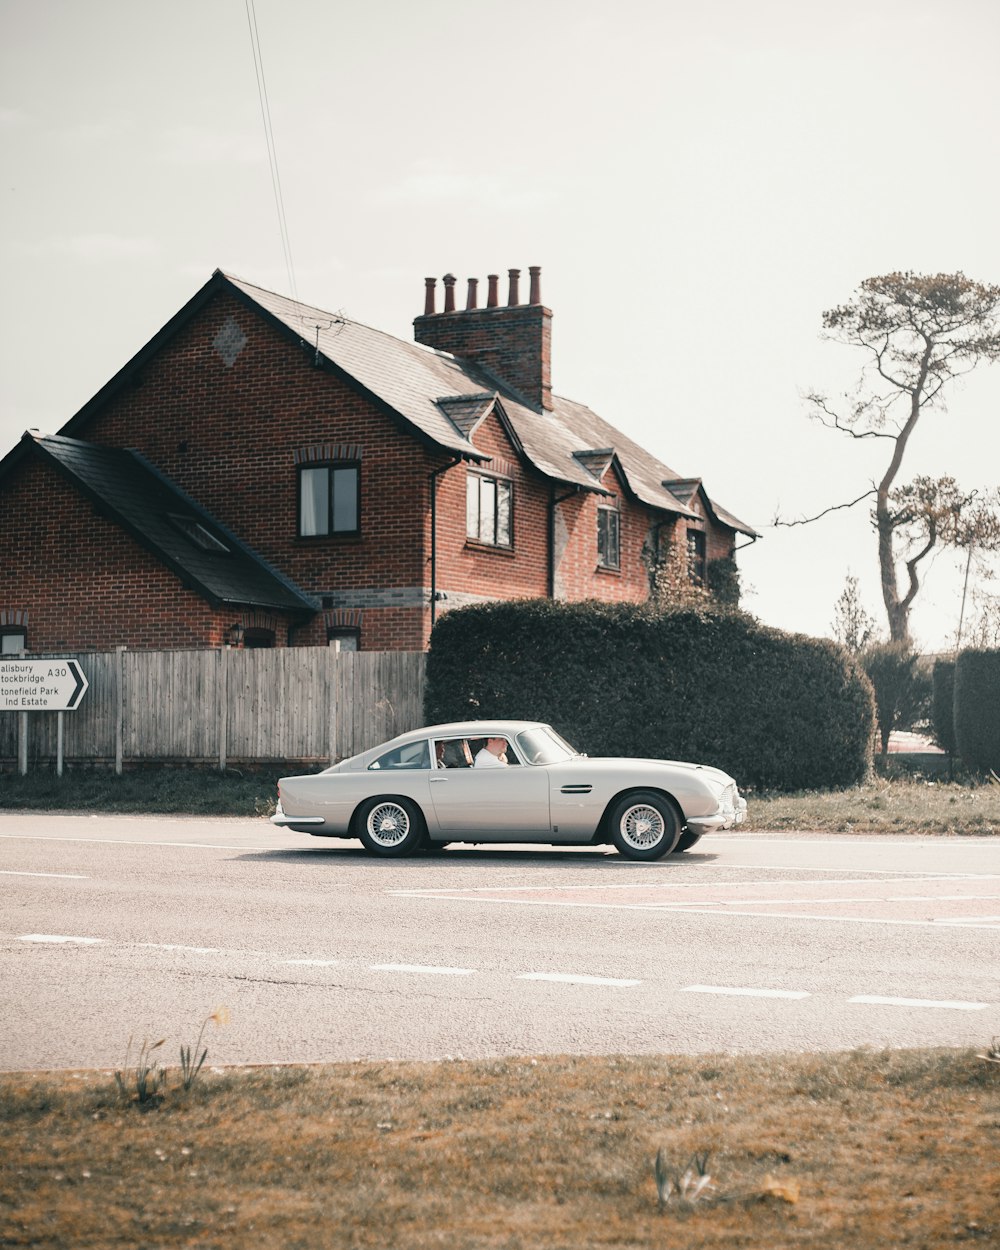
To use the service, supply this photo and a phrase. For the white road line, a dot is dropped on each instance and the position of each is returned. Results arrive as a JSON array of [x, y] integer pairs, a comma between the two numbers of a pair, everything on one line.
[[692, 909], [201, 846], [313, 963], [876, 1000], [744, 992], [569, 978], [58, 937], [969, 920], [169, 946], [68, 876], [426, 968]]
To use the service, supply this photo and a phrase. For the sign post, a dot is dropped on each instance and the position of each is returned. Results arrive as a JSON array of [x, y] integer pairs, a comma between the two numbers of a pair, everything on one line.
[[55, 685]]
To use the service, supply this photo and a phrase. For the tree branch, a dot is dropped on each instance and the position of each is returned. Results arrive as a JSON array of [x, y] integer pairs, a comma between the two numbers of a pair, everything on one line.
[[833, 508]]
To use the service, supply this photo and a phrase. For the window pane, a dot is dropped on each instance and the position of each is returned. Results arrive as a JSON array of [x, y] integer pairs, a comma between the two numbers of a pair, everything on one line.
[[12, 644], [314, 501], [345, 499], [613, 543], [503, 514], [471, 506], [487, 510]]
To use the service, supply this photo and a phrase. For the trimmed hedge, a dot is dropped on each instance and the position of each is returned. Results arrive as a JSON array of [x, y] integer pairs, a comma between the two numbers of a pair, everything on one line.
[[977, 709], [777, 711], [943, 705]]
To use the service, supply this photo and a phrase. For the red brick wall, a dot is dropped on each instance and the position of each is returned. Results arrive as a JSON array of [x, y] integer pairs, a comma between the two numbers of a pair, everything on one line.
[[85, 583], [227, 436]]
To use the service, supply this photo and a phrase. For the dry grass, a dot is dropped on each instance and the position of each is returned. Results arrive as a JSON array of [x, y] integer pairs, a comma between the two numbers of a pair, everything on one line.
[[854, 1150], [883, 806]]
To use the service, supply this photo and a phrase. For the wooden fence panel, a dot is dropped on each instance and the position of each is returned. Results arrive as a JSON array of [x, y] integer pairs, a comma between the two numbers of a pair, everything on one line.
[[229, 706]]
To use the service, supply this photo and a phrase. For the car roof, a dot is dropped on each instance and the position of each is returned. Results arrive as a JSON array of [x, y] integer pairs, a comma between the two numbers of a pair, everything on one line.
[[470, 729]]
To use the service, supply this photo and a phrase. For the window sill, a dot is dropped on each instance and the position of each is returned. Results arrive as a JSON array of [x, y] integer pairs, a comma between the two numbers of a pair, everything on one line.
[[310, 540], [608, 571], [489, 548]]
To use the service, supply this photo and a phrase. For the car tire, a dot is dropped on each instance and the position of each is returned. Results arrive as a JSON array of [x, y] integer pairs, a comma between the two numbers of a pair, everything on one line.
[[644, 825], [390, 825], [685, 842]]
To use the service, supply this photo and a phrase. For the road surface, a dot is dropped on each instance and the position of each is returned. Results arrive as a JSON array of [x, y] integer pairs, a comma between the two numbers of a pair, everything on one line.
[[119, 927]]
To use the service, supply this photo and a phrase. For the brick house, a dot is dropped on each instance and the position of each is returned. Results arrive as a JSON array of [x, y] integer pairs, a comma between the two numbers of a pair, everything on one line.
[[265, 473]]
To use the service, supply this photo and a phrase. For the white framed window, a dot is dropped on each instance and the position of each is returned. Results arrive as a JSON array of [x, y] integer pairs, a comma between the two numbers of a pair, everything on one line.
[[608, 537], [488, 509]]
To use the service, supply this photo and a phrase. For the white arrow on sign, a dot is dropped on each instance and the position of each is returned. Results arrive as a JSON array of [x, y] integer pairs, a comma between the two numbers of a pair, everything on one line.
[[41, 685]]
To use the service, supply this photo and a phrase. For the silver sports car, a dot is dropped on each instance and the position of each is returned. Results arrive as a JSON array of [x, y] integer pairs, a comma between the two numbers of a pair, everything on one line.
[[507, 781]]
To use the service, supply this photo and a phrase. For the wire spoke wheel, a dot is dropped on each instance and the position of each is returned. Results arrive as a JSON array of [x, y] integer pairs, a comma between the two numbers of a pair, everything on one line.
[[391, 826], [644, 825]]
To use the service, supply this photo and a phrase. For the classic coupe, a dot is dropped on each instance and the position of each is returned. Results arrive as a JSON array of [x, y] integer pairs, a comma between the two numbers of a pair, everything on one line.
[[507, 781]]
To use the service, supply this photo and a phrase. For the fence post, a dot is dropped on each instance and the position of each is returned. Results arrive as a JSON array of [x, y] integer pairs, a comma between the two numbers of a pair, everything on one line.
[[333, 670], [119, 709], [223, 706]]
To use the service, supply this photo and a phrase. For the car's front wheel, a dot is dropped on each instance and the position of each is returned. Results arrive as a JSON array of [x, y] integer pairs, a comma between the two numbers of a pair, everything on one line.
[[390, 826], [644, 825]]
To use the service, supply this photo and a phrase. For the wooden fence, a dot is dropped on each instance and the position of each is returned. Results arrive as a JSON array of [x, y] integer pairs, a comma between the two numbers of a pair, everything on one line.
[[307, 705]]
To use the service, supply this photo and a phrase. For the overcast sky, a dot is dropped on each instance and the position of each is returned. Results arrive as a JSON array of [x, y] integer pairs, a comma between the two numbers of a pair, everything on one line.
[[698, 181]]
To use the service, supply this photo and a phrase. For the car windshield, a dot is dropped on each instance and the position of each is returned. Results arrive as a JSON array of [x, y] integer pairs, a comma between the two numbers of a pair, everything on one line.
[[543, 745]]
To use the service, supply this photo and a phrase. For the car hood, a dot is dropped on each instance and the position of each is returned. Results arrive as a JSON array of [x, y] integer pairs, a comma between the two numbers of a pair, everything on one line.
[[705, 771]]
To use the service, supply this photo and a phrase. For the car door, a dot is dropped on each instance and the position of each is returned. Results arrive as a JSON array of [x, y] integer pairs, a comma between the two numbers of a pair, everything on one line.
[[495, 804]]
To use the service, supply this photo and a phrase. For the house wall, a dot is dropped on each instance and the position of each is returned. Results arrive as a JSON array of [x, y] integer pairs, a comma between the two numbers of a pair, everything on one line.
[[222, 410], [84, 583], [226, 432]]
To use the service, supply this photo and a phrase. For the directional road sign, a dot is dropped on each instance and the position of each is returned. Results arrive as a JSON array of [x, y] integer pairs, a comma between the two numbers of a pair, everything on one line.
[[41, 685]]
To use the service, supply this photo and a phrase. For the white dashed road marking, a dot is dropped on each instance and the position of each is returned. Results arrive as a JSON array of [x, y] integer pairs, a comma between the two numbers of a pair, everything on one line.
[[746, 993], [67, 876], [425, 968], [875, 1000], [569, 978], [57, 937]]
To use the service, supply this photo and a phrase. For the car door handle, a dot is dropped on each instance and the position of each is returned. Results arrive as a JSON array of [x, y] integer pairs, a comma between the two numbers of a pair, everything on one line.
[[578, 789], [435, 780]]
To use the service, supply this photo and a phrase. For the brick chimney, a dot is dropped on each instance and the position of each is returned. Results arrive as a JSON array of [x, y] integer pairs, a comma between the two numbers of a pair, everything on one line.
[[512, 340]]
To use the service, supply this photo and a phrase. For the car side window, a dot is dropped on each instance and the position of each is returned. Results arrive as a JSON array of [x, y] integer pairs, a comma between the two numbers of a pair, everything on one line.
[[410, 755]]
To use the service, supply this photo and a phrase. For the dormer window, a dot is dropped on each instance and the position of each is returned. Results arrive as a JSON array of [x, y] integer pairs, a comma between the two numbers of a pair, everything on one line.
[[696, 556]]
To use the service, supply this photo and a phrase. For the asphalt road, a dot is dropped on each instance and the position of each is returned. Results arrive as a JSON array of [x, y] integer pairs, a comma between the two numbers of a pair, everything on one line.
[[121, 926]]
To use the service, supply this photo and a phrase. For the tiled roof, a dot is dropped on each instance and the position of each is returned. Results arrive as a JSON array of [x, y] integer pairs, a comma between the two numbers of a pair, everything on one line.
[[179, 532], [444, 398]]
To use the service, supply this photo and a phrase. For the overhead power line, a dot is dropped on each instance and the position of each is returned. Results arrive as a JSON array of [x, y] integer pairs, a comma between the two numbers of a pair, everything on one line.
[[272, 154]]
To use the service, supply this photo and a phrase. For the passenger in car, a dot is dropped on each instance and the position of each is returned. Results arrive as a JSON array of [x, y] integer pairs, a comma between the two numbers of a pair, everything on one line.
[[493, 754], [454, 753]]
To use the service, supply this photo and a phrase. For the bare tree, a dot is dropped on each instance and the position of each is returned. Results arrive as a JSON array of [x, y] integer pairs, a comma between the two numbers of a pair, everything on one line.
[[919, 333]]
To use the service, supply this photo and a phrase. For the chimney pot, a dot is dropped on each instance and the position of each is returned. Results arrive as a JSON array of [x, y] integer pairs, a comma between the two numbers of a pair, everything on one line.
[[449, 292], [471, 301], [536, 284], [492, 298], [429, 285], [512, 297]]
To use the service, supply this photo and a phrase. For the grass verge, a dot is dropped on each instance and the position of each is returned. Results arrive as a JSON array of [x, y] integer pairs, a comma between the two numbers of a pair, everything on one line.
[[886, 805], [852, 1150]]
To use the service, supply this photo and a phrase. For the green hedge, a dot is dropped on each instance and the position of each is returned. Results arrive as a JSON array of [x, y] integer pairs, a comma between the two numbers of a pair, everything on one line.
[[977, 709], [777, 711], [943, 705]]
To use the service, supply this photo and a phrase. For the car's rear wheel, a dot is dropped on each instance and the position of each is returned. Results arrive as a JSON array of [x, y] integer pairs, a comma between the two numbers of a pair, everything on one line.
[[644, 825], [686, 841], [390, 826]]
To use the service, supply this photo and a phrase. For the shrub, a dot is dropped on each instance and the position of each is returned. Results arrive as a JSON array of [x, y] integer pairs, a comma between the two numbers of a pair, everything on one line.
[[977, 709], [891, 667], [777, 711], [943, 705]]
